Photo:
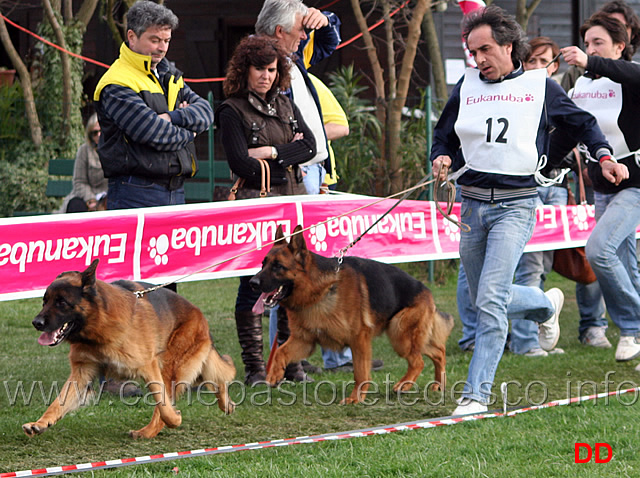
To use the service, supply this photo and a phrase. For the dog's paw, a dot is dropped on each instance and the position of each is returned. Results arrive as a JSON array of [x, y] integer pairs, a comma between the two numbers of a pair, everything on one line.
[[274, 378], [32, 429], [349, 401], [135, 434], [436, 387], [173, 421], [147, 432], [230, 408], [403, 386]]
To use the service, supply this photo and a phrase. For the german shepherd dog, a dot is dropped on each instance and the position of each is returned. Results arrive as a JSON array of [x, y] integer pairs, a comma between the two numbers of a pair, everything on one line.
[[337, 305], [160, 338]]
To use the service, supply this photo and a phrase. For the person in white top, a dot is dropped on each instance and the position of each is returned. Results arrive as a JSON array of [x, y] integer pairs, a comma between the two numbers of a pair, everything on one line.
[[288, 21]]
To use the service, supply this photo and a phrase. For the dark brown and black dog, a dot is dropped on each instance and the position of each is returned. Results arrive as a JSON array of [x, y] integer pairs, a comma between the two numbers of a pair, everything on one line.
[[160, 338], [348, 305]]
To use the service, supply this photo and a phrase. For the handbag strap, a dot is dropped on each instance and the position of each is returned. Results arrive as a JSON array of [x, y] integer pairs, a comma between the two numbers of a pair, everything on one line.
[[583, 194], [263, 188], [265, 177], [267, 169], [265, 181], [234, 189]]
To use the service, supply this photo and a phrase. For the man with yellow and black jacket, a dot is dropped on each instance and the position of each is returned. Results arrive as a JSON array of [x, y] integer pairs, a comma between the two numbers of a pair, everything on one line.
[[149, 117]]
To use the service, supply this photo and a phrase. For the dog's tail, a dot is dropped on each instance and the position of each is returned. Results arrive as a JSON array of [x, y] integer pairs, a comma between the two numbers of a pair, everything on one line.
[[219, 366], [444, 325], [217, 372]]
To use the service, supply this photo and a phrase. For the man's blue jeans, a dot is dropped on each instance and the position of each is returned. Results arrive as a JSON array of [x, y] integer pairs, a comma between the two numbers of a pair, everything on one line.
[[611, 251], [532, 270], [591, 307], [466, 311], [127, 192], [490, 253], [313, 177]]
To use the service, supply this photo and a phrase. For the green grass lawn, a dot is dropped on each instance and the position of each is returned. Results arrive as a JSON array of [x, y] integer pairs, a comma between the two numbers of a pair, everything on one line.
[[536, 443]]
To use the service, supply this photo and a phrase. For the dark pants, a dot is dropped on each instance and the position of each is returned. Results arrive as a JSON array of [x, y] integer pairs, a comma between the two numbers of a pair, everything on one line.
[[127, 192]]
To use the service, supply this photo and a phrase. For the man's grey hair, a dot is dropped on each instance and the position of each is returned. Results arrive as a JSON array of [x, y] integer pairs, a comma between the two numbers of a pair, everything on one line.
[[144, 14], [279, 12]]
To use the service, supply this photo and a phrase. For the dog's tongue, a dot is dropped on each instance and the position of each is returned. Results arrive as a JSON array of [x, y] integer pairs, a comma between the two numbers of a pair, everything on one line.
[[258, 307], [47, 338]]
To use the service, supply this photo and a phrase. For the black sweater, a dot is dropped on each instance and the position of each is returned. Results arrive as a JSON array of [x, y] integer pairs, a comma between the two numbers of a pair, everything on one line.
[[627, 74], [234, 140]]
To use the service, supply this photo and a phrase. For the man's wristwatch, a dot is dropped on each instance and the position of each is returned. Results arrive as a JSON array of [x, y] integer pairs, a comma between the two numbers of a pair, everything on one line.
[[274, 152]]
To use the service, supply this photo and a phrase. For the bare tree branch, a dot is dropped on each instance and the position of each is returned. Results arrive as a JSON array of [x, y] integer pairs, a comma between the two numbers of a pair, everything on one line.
[[435, 58], [378, 73], [111, 22], [524, 12], [394, 123], [412, 40], [66, 67], [391, 56], [67, 11], [86, 11], [25, 80], [531, 8]]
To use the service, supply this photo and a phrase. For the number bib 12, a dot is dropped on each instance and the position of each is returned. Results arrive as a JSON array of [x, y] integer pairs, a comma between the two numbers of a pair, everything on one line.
[[498, 122]]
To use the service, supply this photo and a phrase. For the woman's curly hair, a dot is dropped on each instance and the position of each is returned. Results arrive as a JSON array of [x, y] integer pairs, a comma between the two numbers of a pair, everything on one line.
[[259, 51]]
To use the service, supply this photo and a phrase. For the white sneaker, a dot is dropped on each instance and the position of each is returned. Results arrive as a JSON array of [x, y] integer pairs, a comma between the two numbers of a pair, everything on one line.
[[468, 406], [549, 331], [556, 351], [628, 348], [537, 352], [595, 337]]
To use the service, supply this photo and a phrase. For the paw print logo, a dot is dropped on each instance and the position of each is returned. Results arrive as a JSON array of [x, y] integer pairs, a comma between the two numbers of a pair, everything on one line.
[[318, 237], [158, 247], [612, 94], [528, 97], [581, 218], [451, 230]]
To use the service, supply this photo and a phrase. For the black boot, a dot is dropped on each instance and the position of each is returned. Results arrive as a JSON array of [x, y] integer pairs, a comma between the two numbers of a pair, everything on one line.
[[249, 326], [294, 370]]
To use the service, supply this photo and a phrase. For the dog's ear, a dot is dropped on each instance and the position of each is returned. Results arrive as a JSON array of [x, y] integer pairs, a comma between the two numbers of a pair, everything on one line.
[[297, 243], [279, 234], [89, 275]]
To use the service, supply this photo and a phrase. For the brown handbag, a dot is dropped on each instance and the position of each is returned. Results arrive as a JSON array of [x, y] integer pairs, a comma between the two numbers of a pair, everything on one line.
[[238, 191], [572, 263]]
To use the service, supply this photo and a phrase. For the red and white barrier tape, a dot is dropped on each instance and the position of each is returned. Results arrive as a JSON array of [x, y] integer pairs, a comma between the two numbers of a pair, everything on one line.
[[382, 430]]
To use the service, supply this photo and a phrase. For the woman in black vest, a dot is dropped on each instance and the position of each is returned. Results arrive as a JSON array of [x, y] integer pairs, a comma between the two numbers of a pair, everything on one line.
[[257, 122]]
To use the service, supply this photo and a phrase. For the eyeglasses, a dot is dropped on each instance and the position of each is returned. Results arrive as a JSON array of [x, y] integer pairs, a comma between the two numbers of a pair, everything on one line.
[[96, 132]]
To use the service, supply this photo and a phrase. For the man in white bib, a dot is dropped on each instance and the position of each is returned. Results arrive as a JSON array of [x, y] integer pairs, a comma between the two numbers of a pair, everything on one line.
[[499, 116]]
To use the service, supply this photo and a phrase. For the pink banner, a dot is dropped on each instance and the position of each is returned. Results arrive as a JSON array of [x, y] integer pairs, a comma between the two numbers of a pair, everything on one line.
[[213, 240]]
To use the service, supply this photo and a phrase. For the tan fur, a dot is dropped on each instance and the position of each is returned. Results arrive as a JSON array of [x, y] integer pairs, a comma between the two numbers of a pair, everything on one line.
[[169, 347], [334, 309]]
